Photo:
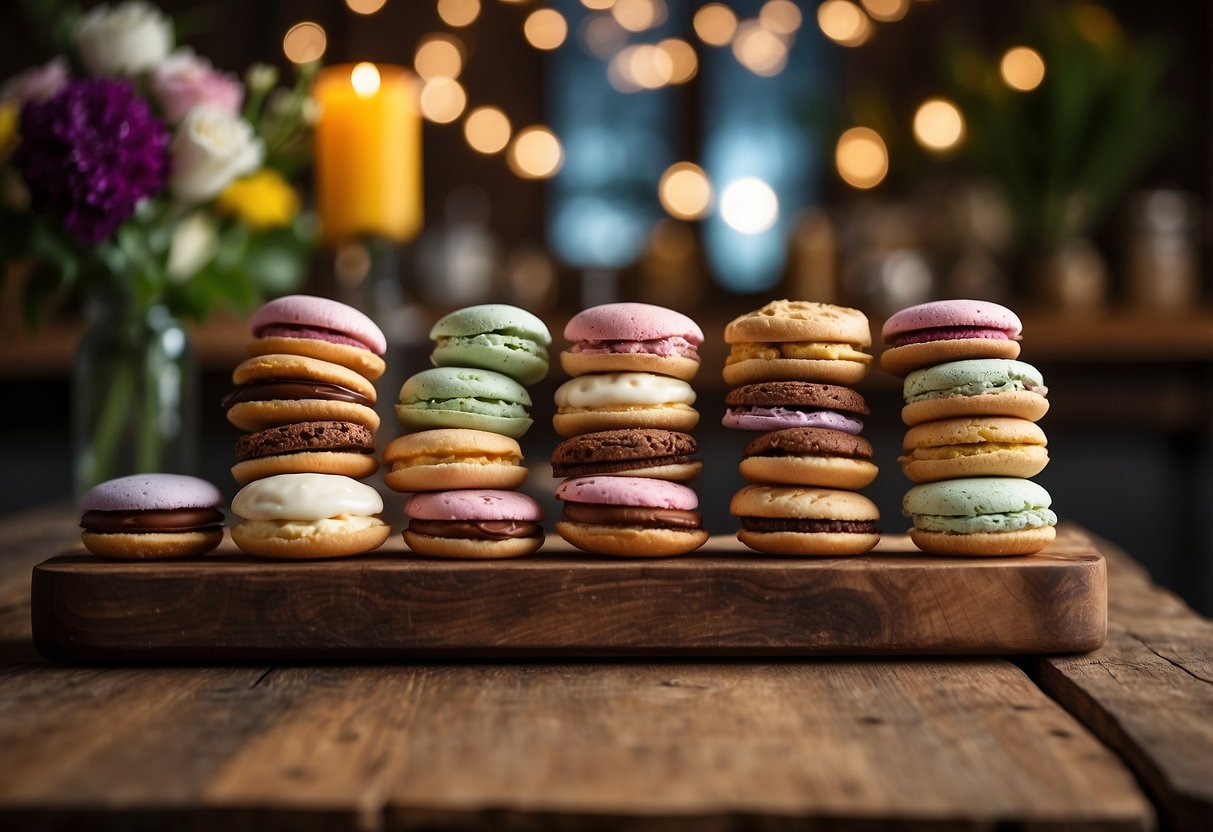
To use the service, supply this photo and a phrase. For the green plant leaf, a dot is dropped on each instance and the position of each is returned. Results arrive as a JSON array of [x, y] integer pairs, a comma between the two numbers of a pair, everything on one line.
[[45, 285], [276, 261]]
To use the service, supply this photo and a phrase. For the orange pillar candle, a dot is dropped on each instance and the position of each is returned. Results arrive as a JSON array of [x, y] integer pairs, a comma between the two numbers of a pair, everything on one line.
[[368, 152]]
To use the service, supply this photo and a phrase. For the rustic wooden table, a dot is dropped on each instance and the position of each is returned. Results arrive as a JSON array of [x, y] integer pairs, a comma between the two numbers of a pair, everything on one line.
[[1121, 738]]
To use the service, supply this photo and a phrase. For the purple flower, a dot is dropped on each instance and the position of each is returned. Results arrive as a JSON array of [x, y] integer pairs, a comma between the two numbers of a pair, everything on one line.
[[90, 153]]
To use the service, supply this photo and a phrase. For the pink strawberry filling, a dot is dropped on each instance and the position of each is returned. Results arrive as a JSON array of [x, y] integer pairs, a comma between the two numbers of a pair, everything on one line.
[[664, 347], [949, 333], [312, 332]]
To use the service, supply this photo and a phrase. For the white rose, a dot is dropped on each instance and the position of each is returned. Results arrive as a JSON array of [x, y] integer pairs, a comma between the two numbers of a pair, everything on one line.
[[194, 243], [127, 39], [212, 147]]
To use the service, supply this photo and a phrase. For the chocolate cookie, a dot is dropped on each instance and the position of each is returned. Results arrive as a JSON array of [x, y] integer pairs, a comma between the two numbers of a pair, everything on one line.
[[305, 436], [637, 452], [775, 405], [783, 520], [324, 447], [809, 456], [798, 394], [809, 441]]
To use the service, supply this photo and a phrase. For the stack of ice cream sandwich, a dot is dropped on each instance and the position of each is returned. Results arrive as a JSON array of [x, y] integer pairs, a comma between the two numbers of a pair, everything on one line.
[[972, 441], [790, 364], [307, 399], [625, 417], [462, 460]]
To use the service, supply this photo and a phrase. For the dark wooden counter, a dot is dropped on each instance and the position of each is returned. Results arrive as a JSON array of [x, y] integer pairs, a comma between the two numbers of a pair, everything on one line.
[[826, 744]]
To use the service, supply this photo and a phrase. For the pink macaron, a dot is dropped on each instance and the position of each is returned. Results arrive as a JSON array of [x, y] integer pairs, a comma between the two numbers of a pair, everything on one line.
[[152, 516], [623, 337], [630, 516], [319, 328], [948, 330], [473, 523], [473, 504], [628, 491]]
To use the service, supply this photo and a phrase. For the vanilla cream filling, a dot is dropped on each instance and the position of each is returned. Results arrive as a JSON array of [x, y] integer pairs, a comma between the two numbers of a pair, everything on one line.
[[811, 350], [565, 411], [454, 459], [958, 451], [616, 391], [305, 497], [304, 529]]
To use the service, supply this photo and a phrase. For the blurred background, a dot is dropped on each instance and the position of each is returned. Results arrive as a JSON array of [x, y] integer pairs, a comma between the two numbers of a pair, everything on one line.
[[1052, 156]]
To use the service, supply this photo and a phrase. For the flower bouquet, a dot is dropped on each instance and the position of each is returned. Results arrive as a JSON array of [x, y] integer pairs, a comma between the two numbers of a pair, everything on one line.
[[137, 178]]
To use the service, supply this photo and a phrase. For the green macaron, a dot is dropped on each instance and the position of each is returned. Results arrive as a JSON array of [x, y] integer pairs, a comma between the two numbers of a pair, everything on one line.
[[979, 505], [974, 387], [972, 377], [460, 397], [493, 336]]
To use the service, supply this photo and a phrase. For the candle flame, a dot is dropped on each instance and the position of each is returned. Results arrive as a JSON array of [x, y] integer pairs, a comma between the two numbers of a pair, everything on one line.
[[365, 78]]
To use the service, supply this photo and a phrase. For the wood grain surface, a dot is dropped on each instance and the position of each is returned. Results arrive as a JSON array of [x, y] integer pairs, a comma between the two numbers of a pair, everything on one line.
[[725, 600], [964, 745], [1148, 693], [824, 744]]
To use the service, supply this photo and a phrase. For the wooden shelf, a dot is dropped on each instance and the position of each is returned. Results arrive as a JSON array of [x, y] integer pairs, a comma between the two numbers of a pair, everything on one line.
[[1113, 335]]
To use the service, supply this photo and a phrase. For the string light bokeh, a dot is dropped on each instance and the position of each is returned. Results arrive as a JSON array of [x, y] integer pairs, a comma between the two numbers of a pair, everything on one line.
[[616, 32]]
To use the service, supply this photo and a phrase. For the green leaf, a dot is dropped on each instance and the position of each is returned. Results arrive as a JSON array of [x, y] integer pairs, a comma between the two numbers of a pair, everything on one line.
[[44, 285], [276, 261], [17, 232]]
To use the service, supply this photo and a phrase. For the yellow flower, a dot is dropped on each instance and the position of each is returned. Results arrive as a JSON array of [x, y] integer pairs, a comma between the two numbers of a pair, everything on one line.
[[9, 137], [262, 200]]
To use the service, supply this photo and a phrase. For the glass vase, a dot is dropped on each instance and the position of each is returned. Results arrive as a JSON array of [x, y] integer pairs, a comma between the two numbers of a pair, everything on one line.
[[134, 387]]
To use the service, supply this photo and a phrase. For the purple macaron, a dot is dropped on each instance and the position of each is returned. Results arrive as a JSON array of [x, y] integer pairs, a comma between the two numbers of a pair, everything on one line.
[[780, 418], [777, 405], [152, 516], [151, 492], [321, 319]]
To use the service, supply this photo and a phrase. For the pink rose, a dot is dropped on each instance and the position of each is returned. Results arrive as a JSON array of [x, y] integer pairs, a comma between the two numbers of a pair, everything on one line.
[[183, 81], [37, 84]]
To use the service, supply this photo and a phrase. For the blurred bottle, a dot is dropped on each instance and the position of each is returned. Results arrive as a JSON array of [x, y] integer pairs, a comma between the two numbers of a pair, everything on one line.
[[671, 269], [457, 262], [1163, 259], [813, 269]]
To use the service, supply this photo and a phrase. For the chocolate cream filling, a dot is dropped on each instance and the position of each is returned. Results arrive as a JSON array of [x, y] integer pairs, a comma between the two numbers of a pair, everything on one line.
[[166, 520], [586, 469], [657, 518], [476, 529], [292, 390], [792, 524]]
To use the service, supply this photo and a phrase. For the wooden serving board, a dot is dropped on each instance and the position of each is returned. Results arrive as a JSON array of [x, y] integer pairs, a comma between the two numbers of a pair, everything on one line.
[[723, 601]]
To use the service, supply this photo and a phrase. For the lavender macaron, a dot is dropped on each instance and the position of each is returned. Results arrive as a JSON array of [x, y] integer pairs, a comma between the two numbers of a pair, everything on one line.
[[147, 516], [779, 405], [632, 337], [630, 516], [320, 328], [948, 330]]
